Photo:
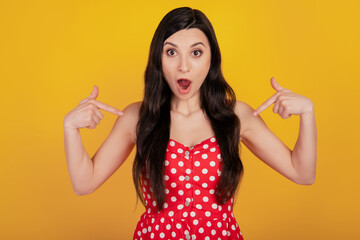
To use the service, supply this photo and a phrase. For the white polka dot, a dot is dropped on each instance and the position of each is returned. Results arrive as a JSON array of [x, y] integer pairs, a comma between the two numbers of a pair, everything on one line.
[[220, 207], [173, 199], [173, 156], [197, 192], [212, 178], [173, 234], [181, 163], [171, 213], [166, 163], [212, 163], [229, 208], [168, 226], [162, 220], [196, 152], [139, 233], [173, 170], [214, 206], [196, 178], [188, 171], [205, 146], [195, 222], [205, 199], [224, 233], [166, 205], [166, 177], [224, 215], [181, 192], [204, 156], [166, 191], [180, 150], [212, 139], [212, 149], [173, 185], [188, 185], [204, 185], [219, 224], [144, 230], [198, 206], [172, 143], [185, 214], [197, 163], [152, 235], [180, 206], [162, 235], [204, 171], [181, 178], [213, 232], [178, 226], [201, 230], [208, 224], [233, 227], [219, 156], [154, 203], [157, 227], [207, 213], [207, 238], [193, 214]]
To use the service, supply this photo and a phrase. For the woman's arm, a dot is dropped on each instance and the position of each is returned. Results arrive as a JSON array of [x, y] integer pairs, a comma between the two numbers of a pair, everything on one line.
[[299, 164], [87, 174]]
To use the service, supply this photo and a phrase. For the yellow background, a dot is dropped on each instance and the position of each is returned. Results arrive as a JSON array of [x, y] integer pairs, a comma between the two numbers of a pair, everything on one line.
[[52, 53]]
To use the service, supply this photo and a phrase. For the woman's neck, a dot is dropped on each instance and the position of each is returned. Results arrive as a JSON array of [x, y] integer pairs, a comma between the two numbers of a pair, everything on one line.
[[185, 107]]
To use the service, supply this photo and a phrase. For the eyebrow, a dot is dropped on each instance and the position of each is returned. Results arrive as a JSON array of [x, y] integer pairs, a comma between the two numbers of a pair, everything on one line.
[[190, 46]]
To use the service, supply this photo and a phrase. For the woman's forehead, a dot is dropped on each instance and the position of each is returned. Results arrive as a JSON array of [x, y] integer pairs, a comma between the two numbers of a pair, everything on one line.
[[187, 37]]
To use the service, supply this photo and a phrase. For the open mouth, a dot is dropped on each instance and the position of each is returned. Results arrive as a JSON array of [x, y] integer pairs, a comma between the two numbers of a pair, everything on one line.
[[183, 85]]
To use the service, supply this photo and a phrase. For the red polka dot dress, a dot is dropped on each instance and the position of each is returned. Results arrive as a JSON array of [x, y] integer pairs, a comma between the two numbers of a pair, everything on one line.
[[190, 210]]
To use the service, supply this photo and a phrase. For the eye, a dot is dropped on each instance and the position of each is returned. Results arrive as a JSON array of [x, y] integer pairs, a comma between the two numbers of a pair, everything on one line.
[[197, 53], [171, 52]]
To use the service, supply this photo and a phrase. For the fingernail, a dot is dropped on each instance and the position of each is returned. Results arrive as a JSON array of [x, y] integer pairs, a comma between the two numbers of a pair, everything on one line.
[[120, 113]]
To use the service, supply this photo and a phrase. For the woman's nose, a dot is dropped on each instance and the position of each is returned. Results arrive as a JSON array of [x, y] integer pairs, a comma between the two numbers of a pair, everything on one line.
[[184, 65]]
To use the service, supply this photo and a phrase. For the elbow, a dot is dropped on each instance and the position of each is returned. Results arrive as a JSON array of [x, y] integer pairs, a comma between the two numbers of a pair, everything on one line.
[[305, 181], [82, 192]]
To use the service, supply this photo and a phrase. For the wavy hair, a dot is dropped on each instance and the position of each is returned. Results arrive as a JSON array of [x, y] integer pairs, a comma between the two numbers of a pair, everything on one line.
[[217, 102]]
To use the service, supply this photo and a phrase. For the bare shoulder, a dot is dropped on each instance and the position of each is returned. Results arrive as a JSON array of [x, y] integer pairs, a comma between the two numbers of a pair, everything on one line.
[[244, 112], [129, 120]]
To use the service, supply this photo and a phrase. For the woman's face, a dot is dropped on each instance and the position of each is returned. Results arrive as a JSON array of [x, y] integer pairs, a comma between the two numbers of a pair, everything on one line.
[[186, 59]]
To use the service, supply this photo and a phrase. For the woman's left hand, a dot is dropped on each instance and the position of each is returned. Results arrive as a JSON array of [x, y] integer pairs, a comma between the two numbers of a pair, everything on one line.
[[286, 102]]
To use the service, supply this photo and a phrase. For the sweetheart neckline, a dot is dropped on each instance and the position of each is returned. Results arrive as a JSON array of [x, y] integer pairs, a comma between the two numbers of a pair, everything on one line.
[[207, 139]]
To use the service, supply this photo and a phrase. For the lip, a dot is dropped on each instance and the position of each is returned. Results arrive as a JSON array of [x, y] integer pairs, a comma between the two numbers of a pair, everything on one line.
[[181, 90]]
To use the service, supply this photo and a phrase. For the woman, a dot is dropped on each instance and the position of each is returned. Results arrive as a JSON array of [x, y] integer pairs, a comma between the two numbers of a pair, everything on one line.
[[187, 132]]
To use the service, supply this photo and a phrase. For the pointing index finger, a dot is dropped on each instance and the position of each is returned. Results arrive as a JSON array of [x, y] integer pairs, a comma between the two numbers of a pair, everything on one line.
[[266, 104], [107, 107]]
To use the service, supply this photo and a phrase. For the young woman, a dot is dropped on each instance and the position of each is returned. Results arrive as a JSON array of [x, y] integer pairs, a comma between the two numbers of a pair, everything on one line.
[[187, 132]]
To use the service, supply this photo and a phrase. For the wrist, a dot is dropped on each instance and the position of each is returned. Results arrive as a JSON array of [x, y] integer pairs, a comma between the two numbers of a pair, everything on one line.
[[308, 110]]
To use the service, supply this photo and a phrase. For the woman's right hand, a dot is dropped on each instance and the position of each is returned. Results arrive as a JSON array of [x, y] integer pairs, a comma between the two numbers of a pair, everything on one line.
[[87, 113]]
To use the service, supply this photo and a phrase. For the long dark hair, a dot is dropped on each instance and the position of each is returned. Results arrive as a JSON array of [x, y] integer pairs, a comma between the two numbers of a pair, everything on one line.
[[217, 102]]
